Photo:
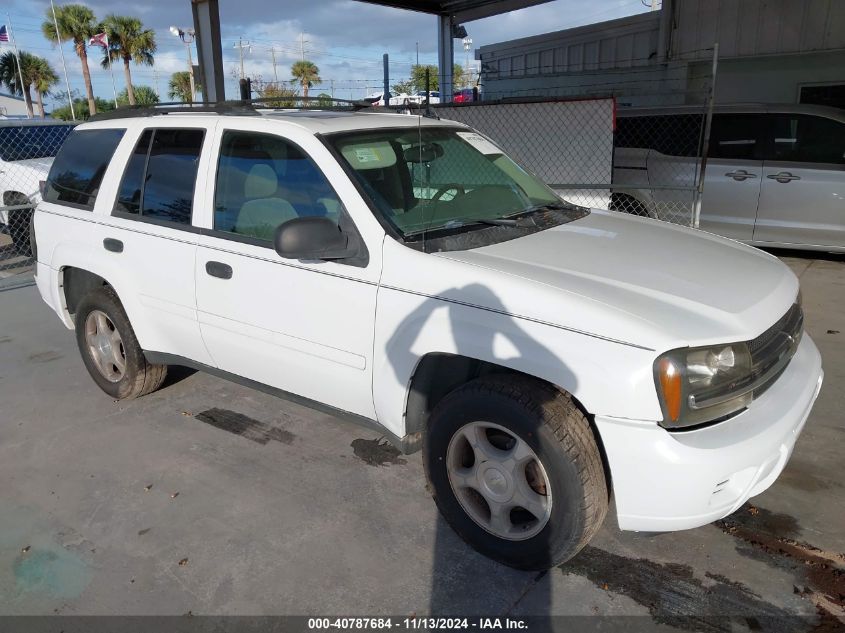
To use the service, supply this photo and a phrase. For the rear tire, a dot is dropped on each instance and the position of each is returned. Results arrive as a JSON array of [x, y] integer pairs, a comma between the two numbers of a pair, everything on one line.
[[19, 230], [110, 349], [532, 443]]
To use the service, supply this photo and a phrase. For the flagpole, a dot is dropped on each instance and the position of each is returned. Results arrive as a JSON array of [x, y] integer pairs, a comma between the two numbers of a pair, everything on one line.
[[64, 67], [18, 58], [111, 70]]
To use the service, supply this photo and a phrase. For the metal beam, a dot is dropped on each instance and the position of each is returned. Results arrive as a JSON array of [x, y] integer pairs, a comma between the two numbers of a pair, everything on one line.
[[445, 56], [209, 49]]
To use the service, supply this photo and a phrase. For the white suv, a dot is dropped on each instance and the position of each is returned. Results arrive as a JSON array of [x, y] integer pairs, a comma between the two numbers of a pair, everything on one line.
[[404, 273]]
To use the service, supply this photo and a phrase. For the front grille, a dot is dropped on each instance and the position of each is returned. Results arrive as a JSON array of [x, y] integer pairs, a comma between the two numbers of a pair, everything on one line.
[[772, 350]]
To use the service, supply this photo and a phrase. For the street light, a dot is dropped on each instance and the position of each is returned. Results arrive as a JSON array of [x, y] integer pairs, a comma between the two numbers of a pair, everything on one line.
[[187, 37], [467, 42]]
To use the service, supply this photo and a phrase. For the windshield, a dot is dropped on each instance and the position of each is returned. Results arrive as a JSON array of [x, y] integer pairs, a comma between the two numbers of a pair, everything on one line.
[[25, 142], [427, 180]]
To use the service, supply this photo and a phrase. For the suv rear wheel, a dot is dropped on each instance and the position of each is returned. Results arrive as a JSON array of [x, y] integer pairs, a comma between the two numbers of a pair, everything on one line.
[[515, 470], [110, 350]]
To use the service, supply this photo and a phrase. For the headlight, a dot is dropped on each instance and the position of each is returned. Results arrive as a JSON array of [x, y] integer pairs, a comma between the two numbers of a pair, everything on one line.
[[698, 385]]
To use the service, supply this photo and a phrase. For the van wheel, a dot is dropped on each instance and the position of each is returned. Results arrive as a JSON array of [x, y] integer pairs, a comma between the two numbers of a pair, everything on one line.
[[628, 204], [19, 228], [515, 470], [110, 350]]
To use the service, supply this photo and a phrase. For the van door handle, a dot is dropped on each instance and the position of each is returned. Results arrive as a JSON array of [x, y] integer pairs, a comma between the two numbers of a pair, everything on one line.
[[218, 269], [740, 174], [783, 176], [113, 245]]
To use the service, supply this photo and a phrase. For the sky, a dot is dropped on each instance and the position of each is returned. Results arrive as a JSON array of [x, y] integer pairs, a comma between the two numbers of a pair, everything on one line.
[[345, 38]]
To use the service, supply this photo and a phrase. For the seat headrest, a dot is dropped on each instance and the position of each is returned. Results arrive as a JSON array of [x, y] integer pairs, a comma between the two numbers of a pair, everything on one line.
[[261, 182]]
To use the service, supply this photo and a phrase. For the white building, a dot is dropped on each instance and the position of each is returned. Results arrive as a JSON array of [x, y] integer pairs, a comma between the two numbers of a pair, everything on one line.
[[12, 106], [778, 51]]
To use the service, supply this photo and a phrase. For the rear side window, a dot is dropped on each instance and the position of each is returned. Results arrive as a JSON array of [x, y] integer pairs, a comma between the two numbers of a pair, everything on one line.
[[671, 135], [161, 175], [805, 139], [78, 170]]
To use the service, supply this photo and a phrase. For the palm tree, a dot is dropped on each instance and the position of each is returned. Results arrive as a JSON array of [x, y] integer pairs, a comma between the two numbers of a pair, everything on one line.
[[306, 74], [77, 24], [10, 77], [180, 87], [128, 41], [43, 78]]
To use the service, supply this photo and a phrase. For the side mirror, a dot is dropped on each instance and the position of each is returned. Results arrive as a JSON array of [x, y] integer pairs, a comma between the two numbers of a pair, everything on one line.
[[311, 238]]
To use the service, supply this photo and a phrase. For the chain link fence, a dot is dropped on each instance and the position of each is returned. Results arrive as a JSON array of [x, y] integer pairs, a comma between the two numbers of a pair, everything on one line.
[[27, 149]]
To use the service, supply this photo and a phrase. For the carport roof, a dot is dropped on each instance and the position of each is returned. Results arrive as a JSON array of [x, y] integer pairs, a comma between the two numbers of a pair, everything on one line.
[[459, 10]]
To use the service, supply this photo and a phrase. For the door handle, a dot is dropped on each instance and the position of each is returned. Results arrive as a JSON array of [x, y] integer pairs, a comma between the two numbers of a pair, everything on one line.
[[740, 174], [783, 176], [218, 269], [113, 245]]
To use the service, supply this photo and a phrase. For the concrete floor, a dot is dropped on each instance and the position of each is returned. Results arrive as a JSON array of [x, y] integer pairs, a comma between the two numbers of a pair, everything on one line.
[[148, 507]]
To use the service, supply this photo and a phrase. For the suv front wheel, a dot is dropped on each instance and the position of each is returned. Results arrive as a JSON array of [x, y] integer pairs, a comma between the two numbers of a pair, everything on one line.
[[110, 350], [515, 470]]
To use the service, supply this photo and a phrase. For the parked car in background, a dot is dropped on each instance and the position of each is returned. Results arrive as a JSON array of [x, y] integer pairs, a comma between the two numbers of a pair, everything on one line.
[[775, 174], [404, 273], [27, 148], [433, 97], [393, 98], [464, 95]]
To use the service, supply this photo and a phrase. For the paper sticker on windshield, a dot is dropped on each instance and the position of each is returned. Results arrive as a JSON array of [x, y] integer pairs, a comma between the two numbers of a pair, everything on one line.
[[367, 155], [480, 143]]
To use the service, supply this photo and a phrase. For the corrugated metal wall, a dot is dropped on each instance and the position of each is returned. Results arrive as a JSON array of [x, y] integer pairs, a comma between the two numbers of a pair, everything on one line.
[[756, 27]]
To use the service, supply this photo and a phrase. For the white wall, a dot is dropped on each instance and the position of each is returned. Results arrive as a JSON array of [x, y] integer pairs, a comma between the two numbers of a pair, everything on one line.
[[11, 106]]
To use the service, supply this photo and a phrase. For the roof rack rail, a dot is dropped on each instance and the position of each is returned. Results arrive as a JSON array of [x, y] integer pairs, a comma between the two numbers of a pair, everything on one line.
[[240, 107]]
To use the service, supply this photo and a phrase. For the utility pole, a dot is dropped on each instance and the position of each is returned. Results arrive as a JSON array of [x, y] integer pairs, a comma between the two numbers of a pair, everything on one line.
[[275, 74], [302, 42], [418, 53], [241, 45]]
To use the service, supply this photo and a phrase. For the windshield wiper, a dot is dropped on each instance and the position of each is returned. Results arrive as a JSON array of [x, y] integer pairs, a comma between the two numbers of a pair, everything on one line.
[[552, 206]]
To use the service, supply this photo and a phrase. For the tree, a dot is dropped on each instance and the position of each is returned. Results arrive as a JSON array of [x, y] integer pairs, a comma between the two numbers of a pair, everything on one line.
[[43, 78], [418, 76], [180, 87], [12, 80], [404, 87], [277, 96], [144, 96], [80, 107], [77, 24], [306, 74], [128, 41]]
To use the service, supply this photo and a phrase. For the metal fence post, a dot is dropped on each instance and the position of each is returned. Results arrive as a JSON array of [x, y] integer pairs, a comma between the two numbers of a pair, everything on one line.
[[705, 147]]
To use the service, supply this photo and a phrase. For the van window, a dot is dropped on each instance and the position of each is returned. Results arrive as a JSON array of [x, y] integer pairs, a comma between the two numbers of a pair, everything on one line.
[[671, 134], [803, 138], [79, 167], [735, 136]]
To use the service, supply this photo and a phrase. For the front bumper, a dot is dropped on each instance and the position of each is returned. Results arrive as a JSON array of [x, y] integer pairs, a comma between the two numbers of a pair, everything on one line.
[[666, 481]]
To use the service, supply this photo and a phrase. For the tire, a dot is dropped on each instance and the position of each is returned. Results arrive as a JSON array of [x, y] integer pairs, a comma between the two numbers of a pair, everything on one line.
[[101, 311], [574, 497], [19, 230]]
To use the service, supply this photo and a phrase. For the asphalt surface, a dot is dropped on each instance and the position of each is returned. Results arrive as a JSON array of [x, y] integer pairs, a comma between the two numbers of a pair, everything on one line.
[[209, 498]]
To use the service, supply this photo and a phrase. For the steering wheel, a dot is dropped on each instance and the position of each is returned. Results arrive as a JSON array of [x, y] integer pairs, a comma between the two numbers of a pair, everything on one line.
[[442, 191]]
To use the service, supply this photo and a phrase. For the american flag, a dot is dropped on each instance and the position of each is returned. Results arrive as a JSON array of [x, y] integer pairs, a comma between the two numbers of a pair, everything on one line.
[[100, 39], [4, 34]]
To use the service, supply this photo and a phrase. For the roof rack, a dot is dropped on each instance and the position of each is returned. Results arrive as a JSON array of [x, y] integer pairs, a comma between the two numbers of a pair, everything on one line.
[[240, 107]]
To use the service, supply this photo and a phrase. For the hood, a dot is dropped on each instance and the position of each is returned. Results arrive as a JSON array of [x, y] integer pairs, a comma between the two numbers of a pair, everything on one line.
[[646, 279]]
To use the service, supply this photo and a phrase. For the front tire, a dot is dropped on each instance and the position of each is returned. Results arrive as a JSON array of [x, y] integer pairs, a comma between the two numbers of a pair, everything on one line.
[[515, 470], [110, 350], [19, 229]]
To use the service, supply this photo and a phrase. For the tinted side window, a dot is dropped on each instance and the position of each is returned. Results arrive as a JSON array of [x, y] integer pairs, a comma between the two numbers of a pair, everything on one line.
[[78, 170], [264, 181], [805, 139], [131, 187], [735, 136], [672, 135], [171, 175]]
